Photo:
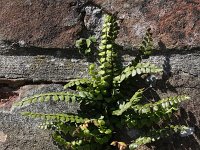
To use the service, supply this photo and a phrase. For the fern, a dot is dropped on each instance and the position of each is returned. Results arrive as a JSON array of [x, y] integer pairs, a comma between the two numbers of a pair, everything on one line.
[[123, 107], [167, 105], [140, 68], [150, 113], [55, 96], [77, 82], [155, 135], [84, 45], [146, 47], [56, 117], [106, 107]]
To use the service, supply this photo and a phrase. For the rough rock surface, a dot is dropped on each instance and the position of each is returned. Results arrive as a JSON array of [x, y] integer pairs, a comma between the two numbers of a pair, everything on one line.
[[58, 23], [37, 55], [175, 23], [44, 23]]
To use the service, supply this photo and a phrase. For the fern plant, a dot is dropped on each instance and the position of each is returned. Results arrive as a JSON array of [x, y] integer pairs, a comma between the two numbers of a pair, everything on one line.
[[107, 103], [85, 45]]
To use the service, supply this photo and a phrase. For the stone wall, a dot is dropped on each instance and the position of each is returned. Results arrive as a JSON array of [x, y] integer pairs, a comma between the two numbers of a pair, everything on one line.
[[37, 54]]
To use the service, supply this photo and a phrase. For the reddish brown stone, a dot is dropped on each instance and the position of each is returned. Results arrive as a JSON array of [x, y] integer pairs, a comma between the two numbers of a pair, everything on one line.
[[45, 23], [40, 23], [176, 23]]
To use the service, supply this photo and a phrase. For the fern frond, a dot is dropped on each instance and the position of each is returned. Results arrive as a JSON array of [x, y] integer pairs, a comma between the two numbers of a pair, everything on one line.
[[84, 45], [45, 125], [67, 144], [166, 105], [67, 118], [56, 117], [146, 48], [140, 68], [156, 135], [55, 96], [123, 107], [77, 82], [107, 50], [86, 95], [150, 113], [80, 144]]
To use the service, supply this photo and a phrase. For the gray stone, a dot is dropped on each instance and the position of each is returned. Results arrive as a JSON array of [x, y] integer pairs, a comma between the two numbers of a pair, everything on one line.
[[21, 132]]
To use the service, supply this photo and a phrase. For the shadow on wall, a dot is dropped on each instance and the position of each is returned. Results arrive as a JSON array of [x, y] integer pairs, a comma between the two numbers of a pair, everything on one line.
[[15, 49], [187, 118], [176, 142]]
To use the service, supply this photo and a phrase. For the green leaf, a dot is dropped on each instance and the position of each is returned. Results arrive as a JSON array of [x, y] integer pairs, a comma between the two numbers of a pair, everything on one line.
[[133, 146], [82, 94], [34, 100], [102, 60], [143, 70], [61, 97], [134, 72], [109, 46], [123, 107], [79, 43], [73, 99], [77, 82], [102, 72], [41, 99], [148, 70], [67, 98], [102, 54], [88, 42], [123, 76], [47, 98], [155, 108], [138, 71], [93, 39], [103, 42], [102, 47], [55, 98]]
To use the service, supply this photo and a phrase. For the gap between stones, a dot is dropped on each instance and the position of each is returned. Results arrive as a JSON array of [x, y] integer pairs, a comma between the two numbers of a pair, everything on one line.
[[10, 89]]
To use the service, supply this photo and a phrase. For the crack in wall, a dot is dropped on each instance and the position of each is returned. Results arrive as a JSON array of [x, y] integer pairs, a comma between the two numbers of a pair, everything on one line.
[[10, 90], [8, 95]]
